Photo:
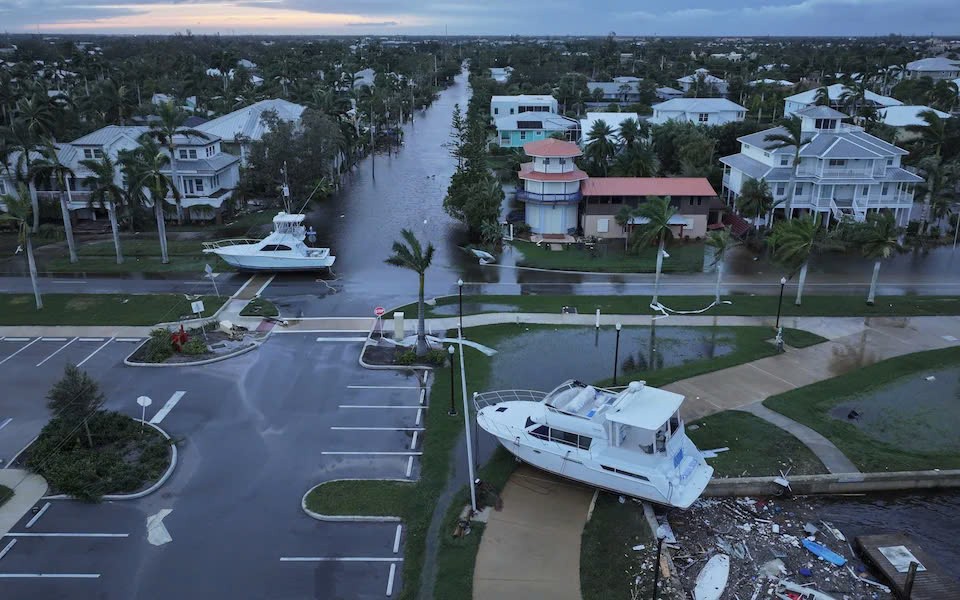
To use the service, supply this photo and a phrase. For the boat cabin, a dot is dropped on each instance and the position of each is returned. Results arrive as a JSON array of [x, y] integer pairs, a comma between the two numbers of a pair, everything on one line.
[[645, 419]]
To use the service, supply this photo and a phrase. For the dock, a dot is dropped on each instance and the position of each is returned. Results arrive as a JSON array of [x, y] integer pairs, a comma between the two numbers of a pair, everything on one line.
[[891, 554]]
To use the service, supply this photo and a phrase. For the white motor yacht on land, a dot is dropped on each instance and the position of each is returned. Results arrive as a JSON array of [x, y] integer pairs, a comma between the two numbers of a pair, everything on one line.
[[631, 441], [282, 250]]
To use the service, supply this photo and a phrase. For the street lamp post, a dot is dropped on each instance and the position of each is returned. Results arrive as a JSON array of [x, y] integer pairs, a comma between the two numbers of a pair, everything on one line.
[[656, 566], [779, 339], [616, 355], [453, 409], [460, 295]]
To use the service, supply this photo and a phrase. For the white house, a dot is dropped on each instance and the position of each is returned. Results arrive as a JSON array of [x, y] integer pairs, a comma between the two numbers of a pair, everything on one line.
[[244, 126], [796, 102], [936, 68], [843, 170], [500, 74], [703, 83], [901, 117], [703, 111], [731, 56], [551, 186], [501, 106], [775, 83], [613, 119], [616, 91], [246, 64]]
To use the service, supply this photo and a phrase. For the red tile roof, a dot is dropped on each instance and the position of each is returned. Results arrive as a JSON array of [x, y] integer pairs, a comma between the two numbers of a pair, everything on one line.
[[647, 186], [552, 147], [527, 172]]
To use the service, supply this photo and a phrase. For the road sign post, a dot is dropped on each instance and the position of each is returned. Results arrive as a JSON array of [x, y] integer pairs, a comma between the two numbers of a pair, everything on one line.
[[144, 402], [197, 307], [213, 278]]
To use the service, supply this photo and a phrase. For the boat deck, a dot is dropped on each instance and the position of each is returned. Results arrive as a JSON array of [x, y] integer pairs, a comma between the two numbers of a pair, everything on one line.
[[932, 583]]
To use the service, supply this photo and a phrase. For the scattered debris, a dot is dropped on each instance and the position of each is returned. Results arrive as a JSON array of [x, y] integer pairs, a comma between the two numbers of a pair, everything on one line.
[[712, 579], [822, 552], [640, 547]]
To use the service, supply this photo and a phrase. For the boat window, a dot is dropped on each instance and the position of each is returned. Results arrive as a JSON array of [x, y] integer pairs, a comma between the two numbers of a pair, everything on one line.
[[627, 473], [542, 432], [268, 248], [570, 439], [675, 422]]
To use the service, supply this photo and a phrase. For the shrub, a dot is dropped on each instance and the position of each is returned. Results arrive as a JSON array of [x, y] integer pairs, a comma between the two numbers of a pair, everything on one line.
[[521, 229], [436, 357], [195, 346], [158, 348], [406, 358], [934, 232]]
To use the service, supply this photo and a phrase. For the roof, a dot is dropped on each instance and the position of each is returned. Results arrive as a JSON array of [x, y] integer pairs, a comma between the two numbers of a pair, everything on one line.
[[106, 135], [707, 78], [937, 63], [821, 112], [775, 82], [247, 121], [535, 120], [215, 163], [523, 98], [613, 87], [844, 148], [821, 141], [647, 186], [751, 167], [902, 116], [669, 90], [698, 105], [527, 172], [835, 91], [644, 407], [551, 147]]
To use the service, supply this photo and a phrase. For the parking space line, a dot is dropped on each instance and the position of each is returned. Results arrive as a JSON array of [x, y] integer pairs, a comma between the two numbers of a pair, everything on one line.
[[383, 387], [419, 415], [413, 442], [50, 575], [393, 573], [37, 516], [7, 548], [409, 466], [376, 406], [6, 422], [89, 339], [51, 339], [16, 339], [76, 535], [346, 453], [57, 351], [127, 339], [162, 413], [89, 356], [19, 351], [368, 428], [339, 559], [396, 539]]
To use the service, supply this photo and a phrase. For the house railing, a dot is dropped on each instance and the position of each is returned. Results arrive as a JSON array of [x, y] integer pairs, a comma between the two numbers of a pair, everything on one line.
[[534, 197]]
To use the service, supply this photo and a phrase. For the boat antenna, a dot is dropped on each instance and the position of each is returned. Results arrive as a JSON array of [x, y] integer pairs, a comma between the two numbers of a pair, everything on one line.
[[285, 188], [307, 201]]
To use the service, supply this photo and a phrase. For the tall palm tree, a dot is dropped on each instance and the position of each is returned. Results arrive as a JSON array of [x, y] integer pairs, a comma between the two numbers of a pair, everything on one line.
[[105, 192], [637, 160], [790, 135], [794, 241], [629, 133], [878, 239], [822, 97], [19, 139], [600, 147], [755, 199], [152, 163], [18, 211], [410, 254], [721, 241], [657, 212], [165, 131], [932, 134], [51, 169]]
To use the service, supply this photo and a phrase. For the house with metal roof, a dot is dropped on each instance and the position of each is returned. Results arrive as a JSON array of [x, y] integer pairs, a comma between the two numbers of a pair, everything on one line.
[[902, 117], [615, 91], [504, 106], [513, 131], [239, 129], [936, 68], [843, 171], [702, 83], [838, 94], [702, 111]]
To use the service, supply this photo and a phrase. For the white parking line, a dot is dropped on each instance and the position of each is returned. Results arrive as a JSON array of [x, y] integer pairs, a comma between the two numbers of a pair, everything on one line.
[[419, 415], [76, 535], [89, 356], [89, 339], [396, 539], [341, 339], [127, 339], [16, 339], [393, 573], [7, 548], [339, 559], [368, 428], [50, 339], [339, 453], [6, 422], [37, 516], [376, 406], [57, 351], [413, 442], [19, 351], [409, 466], [162, 413], [50, 575], [383, 387]]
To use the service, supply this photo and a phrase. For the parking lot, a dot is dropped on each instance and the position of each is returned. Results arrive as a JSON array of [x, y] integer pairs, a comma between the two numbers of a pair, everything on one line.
[[255, 433]]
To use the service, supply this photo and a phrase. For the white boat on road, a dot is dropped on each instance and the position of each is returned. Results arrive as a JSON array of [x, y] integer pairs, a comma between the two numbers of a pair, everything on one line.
[[632, 442], [282, 250]]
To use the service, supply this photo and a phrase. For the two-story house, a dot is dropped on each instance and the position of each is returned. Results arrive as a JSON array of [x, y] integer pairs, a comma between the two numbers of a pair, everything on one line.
[[244, 126], [937, 68], [702, 111], [702, 83], [513, 131], [843, 170], [839, 95], [616, 91], [504, 106]]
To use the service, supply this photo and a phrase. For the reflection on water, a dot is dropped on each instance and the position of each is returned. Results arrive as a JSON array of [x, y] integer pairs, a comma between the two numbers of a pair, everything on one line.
[[543, 357]]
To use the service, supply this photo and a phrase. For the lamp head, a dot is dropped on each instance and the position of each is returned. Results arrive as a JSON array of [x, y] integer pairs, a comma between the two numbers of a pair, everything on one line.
[[783, 281], [459, 283], [619, 326], [450, 349]]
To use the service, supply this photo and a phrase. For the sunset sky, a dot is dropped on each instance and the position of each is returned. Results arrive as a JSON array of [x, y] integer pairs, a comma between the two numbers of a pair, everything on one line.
[[559, 17]]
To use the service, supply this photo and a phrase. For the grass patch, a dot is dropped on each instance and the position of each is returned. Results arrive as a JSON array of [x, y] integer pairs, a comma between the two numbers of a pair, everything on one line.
[[757, 448], [364, 497], [743, 305], [5, 494], [684, 258], [608, 563], [99, 309], [811, 405], [259, 307], [139, 255]]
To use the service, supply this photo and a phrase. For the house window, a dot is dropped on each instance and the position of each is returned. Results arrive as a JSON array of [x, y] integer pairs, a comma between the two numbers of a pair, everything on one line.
[[781, 189], [889, 162], [563, 161], [546, 161], [523, 135], [496, 111], [216, 180], [511, 111], [784, 160], [91, 153], [699, 201], [504, 139], [885, 189], [825, 124], [603, 225], [199, 185], [188, 154], [799, 189], [838, 162], [210, 151], [703, 117]]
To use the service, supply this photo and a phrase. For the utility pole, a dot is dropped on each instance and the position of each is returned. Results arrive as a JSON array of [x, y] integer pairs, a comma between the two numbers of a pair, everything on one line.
[[373, 150]]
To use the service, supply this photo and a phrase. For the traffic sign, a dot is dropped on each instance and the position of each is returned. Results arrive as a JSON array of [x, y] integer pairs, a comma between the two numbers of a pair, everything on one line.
[[208, 268], [144, 401], [378, 311], [197, 306]]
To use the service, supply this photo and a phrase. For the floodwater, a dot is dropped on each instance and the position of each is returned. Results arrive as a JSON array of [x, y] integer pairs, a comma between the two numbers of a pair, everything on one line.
[[917, 414], [541, 358]]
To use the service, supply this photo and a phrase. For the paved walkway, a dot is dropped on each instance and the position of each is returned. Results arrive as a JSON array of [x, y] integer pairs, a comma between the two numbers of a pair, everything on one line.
[[27, 490]]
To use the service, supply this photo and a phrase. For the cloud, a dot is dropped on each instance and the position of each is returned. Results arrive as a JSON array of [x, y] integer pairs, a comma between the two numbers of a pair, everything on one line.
[[372, 24]]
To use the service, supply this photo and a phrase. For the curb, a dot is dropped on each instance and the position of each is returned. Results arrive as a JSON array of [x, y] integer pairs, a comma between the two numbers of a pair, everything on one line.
[[348, 518], [837, 483], [136, 496], [366, 365], [195, 363]]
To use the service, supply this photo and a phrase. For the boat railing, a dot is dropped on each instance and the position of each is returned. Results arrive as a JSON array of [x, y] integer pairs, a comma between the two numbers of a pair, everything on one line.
[[498, 396], [230, 242]]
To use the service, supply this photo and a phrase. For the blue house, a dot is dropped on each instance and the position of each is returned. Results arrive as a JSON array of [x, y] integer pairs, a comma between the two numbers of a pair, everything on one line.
[[513, 131]]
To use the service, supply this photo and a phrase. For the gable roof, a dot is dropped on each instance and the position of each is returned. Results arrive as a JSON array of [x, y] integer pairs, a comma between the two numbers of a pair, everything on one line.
[[247, 121], [936, 63], [835, 91], [822, 141], [109, 134], [901, 116], [699, 105], [821, 112], [550, 148], [647, 186]]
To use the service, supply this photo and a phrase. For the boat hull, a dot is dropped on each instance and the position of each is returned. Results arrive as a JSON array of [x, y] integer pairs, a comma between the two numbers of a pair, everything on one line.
[[247, 262]]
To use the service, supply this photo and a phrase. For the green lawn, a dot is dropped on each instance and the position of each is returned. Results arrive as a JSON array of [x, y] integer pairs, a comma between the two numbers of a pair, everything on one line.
[[608, 563], [360, 497], [743, 305], [258, 307], [684, 258], [139, 255], [811, 404], [757, 448], [5, 494], [99, 309]]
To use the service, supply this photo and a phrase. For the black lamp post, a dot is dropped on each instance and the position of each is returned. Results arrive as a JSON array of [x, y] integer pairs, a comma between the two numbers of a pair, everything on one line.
[[453, 409], [656, 565], [616, 355], [460, 294], [783, 283]]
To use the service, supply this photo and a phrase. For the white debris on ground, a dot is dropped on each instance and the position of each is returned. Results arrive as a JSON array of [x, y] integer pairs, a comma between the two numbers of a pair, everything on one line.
[[764, 540]]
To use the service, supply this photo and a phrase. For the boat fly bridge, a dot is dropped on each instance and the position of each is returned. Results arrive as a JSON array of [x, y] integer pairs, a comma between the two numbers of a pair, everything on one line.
[[631, 441]]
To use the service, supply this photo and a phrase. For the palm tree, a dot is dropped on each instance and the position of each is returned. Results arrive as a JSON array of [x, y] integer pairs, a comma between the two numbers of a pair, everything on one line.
[[822, 97], [789, 136], [410, 254], [755, 199], [657, 212], [105, 192], [878, 238], [721, 241], [51, 168], [622, 218], [18, 211], [629, 133], [152, 163], [600, 147], [20, 139], [637, 160], [166, 131], [932, 134], [794, 241]]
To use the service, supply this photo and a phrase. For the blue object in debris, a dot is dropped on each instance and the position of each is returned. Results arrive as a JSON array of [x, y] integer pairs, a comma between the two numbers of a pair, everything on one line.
[[806, 572], [824, 553]]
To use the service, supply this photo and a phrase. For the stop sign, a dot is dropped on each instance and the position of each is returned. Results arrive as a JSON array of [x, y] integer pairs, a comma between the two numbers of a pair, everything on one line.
[[378, 311]]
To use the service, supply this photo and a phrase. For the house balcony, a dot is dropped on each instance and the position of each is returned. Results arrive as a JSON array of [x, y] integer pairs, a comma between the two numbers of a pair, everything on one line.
[[525, 196], [76, 200], [863, 173]]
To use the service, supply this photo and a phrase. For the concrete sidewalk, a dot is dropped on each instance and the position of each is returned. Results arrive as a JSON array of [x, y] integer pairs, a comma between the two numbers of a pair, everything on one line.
[[27, 488]]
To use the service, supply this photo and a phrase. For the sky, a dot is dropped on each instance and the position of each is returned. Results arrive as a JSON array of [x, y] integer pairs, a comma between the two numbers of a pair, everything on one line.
[[486, 17]]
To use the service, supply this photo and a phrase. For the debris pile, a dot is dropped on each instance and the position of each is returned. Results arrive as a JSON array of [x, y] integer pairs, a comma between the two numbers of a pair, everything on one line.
[[777, 549]]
